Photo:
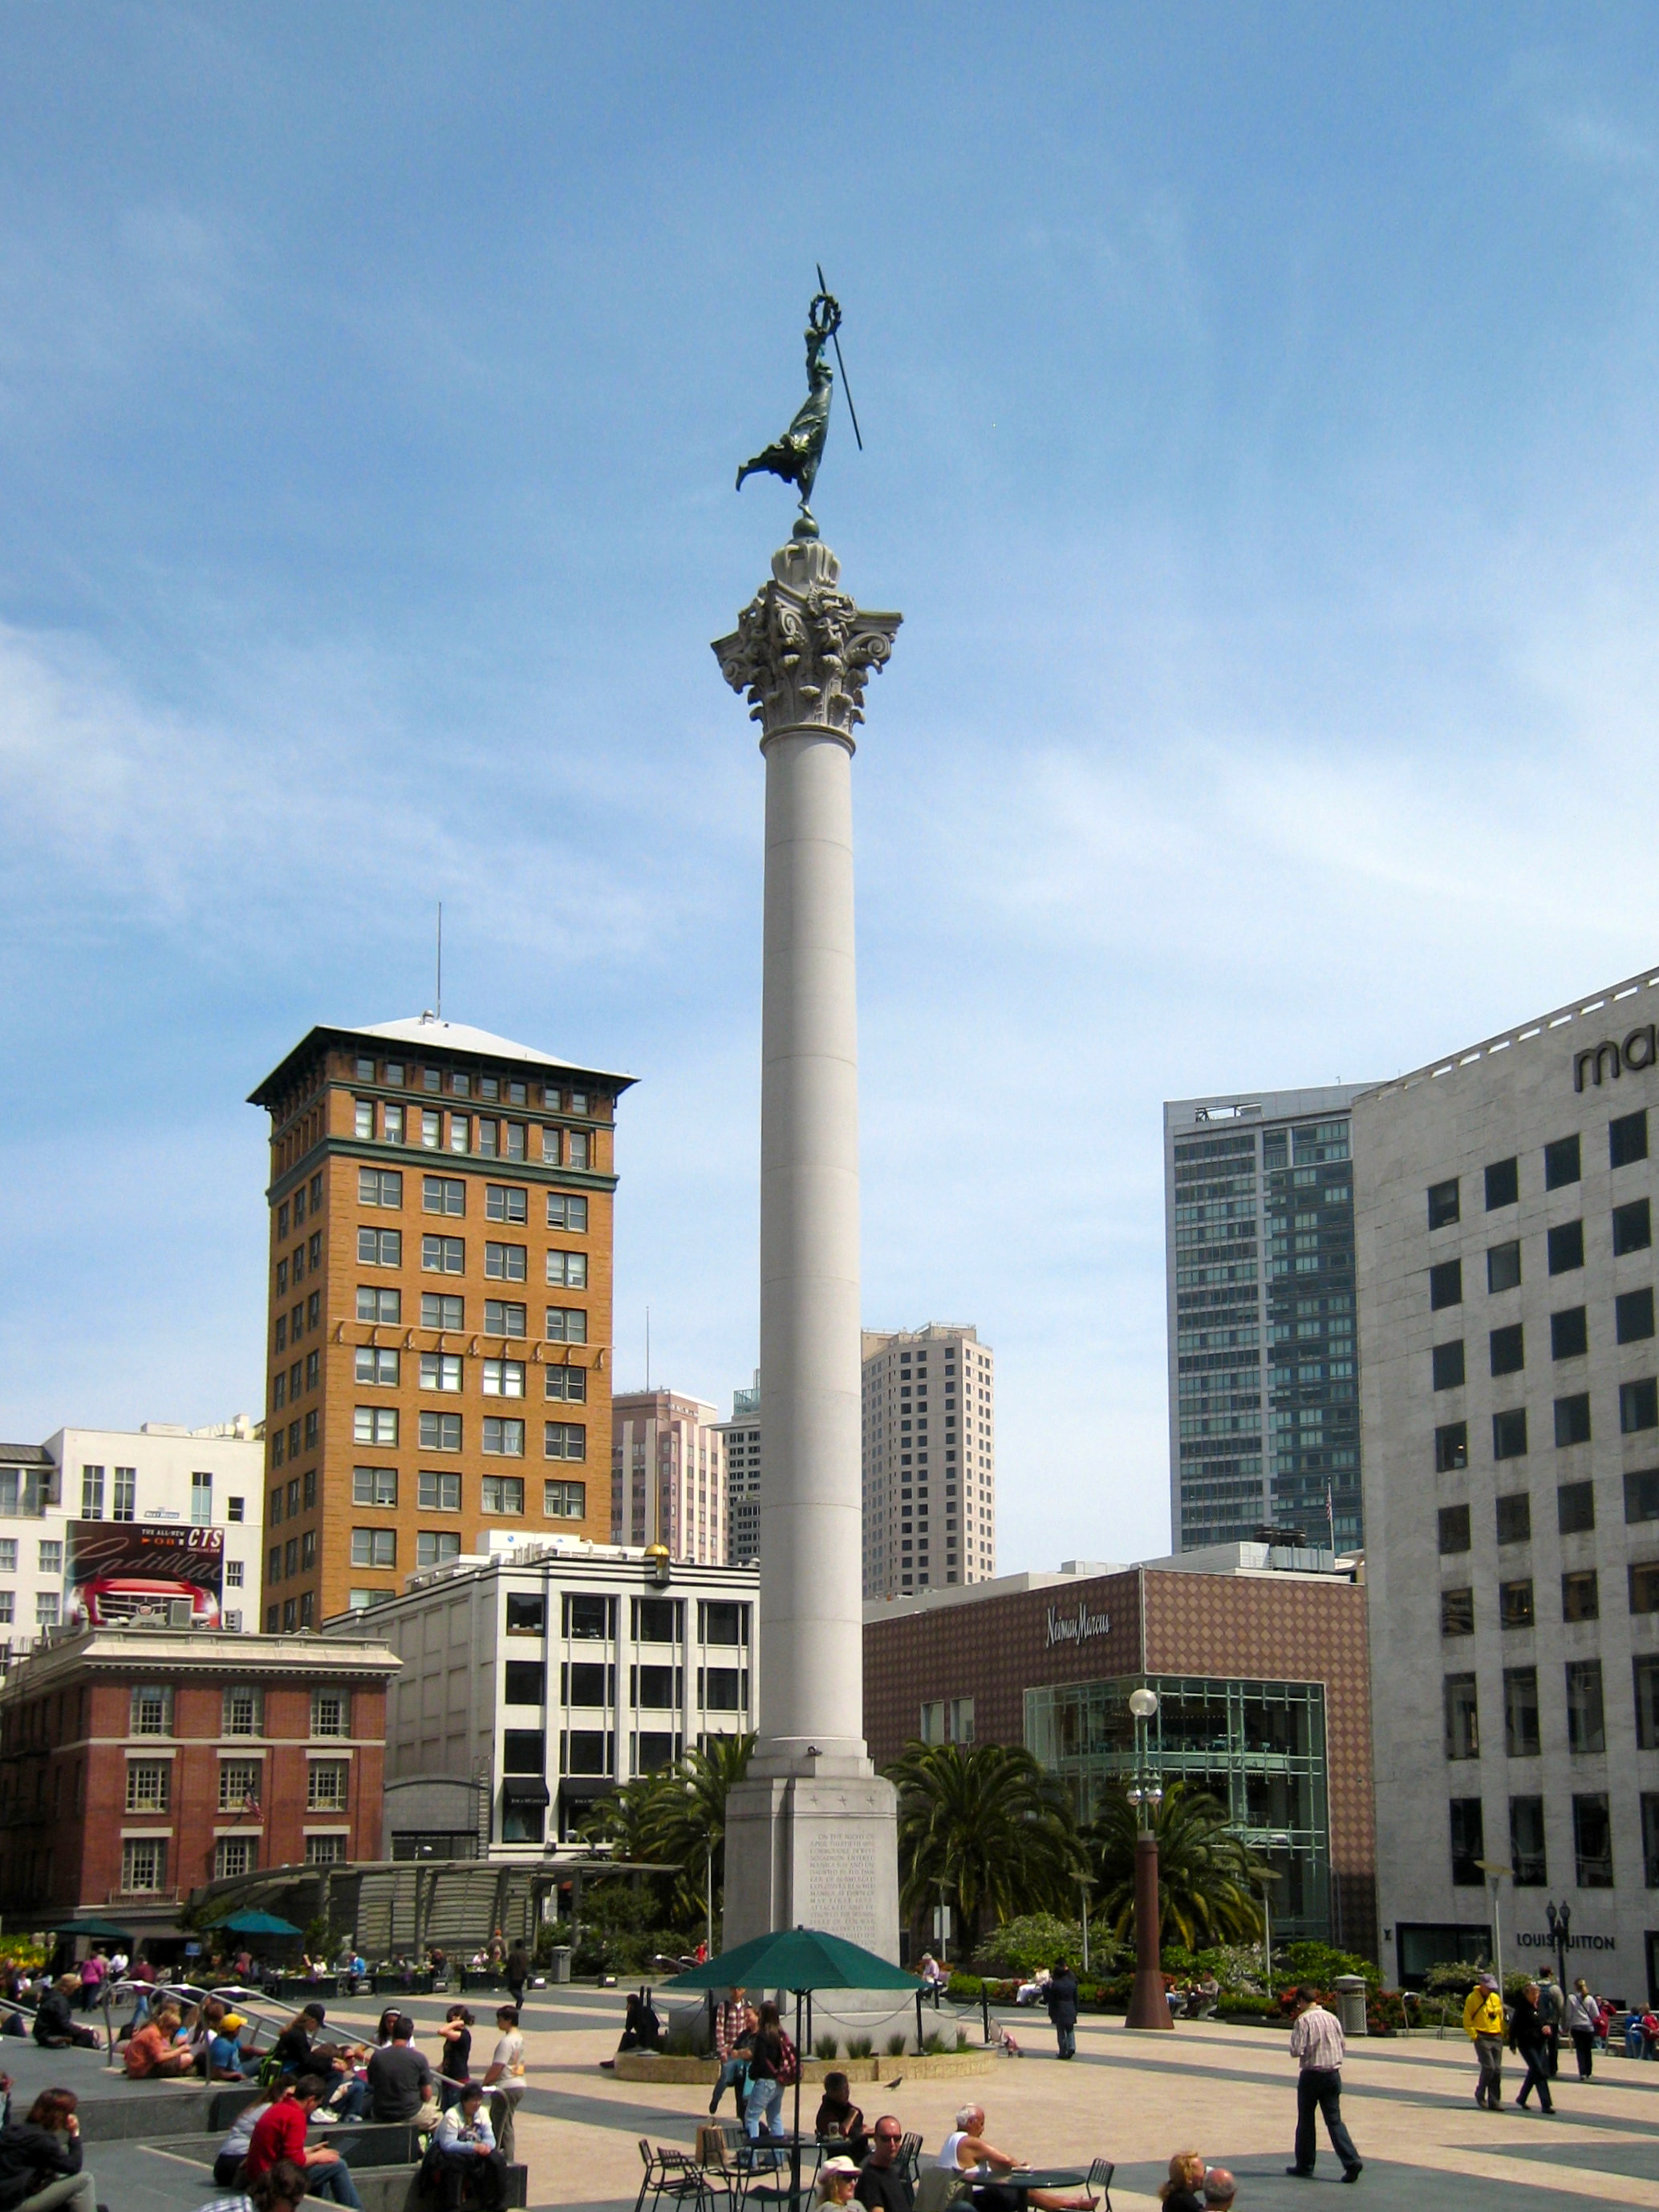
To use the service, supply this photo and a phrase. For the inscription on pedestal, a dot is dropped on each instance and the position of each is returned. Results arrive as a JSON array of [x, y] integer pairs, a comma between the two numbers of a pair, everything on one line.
[[841, 1873]]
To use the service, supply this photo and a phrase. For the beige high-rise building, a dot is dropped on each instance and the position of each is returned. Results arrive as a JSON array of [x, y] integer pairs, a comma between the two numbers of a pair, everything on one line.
[[930, 1467], [743, 1475], [668, 1475]]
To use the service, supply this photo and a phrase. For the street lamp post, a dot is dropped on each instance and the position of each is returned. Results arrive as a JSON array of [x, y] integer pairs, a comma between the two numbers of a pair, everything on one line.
[[1269, 1874], [1494, 1870], [1148, 2006], [1085, 1883]]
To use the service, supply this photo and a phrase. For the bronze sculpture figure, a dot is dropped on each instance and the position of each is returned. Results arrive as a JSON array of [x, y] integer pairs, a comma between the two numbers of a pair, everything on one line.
[[796, 455]]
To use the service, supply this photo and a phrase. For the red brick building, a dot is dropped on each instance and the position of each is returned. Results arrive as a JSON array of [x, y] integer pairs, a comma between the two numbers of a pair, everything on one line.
[[136, 1764], [1263, 1676]]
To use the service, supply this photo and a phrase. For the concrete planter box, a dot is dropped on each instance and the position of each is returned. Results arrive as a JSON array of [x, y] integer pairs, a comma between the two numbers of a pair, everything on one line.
[[648, 2066]]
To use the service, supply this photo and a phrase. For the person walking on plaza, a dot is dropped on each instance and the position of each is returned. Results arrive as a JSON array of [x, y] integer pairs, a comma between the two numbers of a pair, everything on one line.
[[1061, 1998], [1582, 2018], [735, 2023], [1528, 2026], [1551, 2005], [518, 1973], [1483, 2023], [1318, 2046]]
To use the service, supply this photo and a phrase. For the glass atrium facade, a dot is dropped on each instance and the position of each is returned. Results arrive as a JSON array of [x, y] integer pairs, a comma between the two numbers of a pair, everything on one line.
[[1258, 1747]]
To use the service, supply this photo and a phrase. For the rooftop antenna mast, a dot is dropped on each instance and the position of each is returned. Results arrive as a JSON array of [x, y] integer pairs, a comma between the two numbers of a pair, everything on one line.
[[441, 960]]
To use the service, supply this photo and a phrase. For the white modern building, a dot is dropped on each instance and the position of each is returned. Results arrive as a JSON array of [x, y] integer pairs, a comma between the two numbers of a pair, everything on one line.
[[1264, 1405], [536, 1680], [1509, 1390], [742, 1434], [930, 1459], [159, 1474], [668, 1475]]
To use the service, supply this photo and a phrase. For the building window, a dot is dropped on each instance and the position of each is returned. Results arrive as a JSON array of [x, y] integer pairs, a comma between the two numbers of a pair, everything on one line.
[[393, 1125], [503, 1378], [502, 1494], [1462, 1718], [325, 1851], [1467, 1843], [440, 1371], [375, 1305], [331, 1712], [564, 1501], [564, 1440], [568, 1269], [1586, 1730], [1561, 1164], [1580, 1598], [439, 1493], [1566, 1248], [567, 1325], [1515, 1605], [442, 1309], [374, 1424], [1457, 1612], [238, 1785], [432, 1546], [1632, 1227], [51, 1555], [376, 1366], [505, 1317], [579, 1148], [1448, 1365], [1646, 1669], [503, 1203], [443, 1255], [1509, 1434], [374, 1547], [566, 1211], [1632, 1312], [505, 1263], [381, 1248], [1639, 1405], [1502, 1184], [244, 1710], [570, 1384], [8, 1555], [1572, 1419], [1508, 1348], [92, 1494], [234, 1855], [125, 1503], [460, 1132], [1446, 1284], [326, 1782], [1504, 1266], [440, 1432], [1627, 1139], [374, 1485], [380, 1187], [503, 1439], [1592, 1841], [432, 1125], [1521, 1737], [147, 1785], [151, 1712], [1575, 1508], [1642, 1495], [1514, 1519], [1528, 1861], [1569, 1333], [443, 1194], [144, 1865], [1451, 1447], [1645, 1585]]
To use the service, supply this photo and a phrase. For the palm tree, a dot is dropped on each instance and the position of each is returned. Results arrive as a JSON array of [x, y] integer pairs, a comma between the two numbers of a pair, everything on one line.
[[988, 1825], [677, 1817], [1204, 1868]]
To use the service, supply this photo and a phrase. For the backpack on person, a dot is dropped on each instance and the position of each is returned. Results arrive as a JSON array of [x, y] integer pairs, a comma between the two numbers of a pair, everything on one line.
[[789, 2061]]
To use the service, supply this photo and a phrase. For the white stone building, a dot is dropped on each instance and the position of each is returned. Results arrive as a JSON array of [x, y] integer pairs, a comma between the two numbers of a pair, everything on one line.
[[742, 1434], [668, 1475], [930, 1466], [1509, 1390], [536, 1680], [161, 1473]]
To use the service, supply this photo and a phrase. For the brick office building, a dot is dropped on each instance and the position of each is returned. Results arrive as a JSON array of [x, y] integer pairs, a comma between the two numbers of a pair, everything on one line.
[[438, 1342], [138, 1764], [1258, 1660]]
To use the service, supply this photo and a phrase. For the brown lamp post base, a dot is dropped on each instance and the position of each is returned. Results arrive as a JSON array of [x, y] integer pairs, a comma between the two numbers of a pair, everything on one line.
[[1148, 2006]]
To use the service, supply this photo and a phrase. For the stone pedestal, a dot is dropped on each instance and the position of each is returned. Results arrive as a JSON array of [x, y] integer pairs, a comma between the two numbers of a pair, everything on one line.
[[811, 1837]]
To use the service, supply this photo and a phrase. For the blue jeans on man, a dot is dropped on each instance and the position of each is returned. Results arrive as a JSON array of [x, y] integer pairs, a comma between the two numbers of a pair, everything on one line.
[[1319, 2090], [331, 2177]]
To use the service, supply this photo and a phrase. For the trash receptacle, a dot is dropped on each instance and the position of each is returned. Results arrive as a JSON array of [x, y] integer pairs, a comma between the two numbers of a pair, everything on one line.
[[1351, 2003], [562, 1962]]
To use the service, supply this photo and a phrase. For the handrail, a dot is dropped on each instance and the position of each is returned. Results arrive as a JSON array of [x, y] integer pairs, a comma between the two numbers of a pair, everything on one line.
[[186, 1994]]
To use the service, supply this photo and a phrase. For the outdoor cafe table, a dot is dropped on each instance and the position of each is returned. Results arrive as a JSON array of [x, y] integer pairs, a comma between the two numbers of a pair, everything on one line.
[[1043, 2177]]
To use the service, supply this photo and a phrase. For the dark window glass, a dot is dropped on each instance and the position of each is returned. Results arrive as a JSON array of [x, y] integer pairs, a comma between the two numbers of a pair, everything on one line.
[[1457, 1612], [1468, 1845], [1632, 1313], [1503, 1183], [1642, 1495], [1451, 1447], [1644, 1586], [526, 1682], [657, 1619], [588, 1682], [1651, 1839], [524, 1614], [1453, 1528], [1581, 1598], [1645, 1667], [588, 1618], [658, 1687], [1504, 1266], [1509, 1350], [1572, 1419], [1592, 1841], [1515, 1605], [524, 1751], [1575, 1508], [1527, 1861], [1520, 1738], [1639, 1405], [1632, 1227], [1569, 1333], [1514, 1519], [1561, 1163], [1462, 1717], [1509, 1434], [1448, 1364], [1586, 1729], [587, 1752], [1446, 1284], [1444, 1208], [1566, 1244], [1627, 1139]]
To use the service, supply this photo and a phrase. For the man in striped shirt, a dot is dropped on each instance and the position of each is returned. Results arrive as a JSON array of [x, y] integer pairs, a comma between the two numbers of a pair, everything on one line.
[[1316, 2043]]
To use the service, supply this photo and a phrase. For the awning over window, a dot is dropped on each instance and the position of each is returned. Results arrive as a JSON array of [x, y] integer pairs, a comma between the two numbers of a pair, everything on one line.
[[525, 1790]]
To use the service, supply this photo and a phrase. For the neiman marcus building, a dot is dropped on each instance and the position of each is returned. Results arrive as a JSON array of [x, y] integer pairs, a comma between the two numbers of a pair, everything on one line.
[[1510, 1410]]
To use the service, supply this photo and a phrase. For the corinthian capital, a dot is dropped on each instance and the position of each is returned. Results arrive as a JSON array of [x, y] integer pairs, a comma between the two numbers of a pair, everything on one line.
[[802, 651]]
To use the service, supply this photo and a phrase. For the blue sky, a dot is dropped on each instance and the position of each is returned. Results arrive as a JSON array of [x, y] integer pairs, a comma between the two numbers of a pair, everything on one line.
[[1259, 406]]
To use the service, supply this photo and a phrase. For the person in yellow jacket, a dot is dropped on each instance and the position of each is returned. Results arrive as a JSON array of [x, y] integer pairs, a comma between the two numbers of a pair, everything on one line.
[[1483, 2023]]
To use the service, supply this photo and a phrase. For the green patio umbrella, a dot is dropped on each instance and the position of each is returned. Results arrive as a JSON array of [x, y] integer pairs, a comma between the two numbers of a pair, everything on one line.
[[92, 1926], [256, 1923], [802, 1961]]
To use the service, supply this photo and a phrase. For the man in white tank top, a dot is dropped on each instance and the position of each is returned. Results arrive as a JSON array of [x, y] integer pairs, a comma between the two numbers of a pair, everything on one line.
[[995, 2174]]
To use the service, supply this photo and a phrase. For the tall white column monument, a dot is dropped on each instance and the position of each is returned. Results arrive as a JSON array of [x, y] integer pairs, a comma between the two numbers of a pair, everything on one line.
[[811, 1834]]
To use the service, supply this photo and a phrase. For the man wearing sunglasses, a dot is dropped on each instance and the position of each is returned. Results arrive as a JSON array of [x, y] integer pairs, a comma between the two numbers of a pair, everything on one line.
[[882, 2184]]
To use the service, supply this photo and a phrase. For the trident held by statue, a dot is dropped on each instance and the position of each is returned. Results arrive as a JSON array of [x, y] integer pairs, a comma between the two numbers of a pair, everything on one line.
[[796, 455]]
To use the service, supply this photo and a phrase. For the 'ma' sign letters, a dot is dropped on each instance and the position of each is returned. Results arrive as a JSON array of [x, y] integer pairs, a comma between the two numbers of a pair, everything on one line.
[[1637, 1051]]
